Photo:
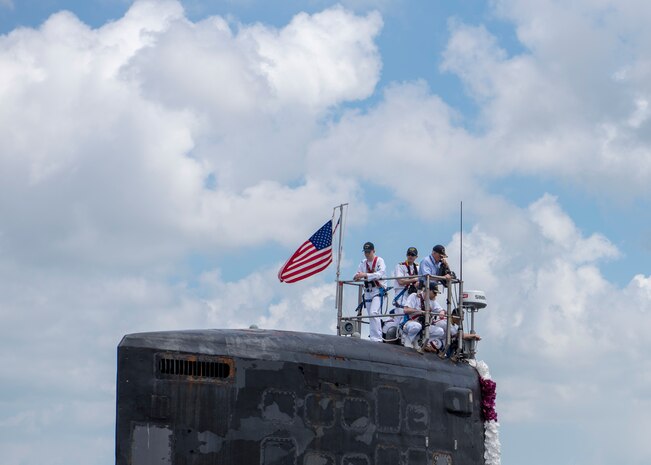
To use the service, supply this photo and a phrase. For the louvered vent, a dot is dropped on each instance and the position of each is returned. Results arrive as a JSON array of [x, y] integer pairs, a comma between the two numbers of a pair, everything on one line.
[[193, 368]]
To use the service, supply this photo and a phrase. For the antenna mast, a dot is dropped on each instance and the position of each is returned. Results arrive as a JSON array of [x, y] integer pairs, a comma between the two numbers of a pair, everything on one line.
[[461, 242]]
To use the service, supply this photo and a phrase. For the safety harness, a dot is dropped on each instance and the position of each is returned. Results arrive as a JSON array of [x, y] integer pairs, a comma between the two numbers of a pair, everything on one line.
[[396, 299], [371, 269], [369, 285]]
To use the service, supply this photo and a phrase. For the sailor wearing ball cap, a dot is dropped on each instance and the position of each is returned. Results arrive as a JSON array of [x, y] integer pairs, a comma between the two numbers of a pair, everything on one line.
[[371, 270], [438, 333], [436, 264], [414, 310], [407, 283], [407, 271]]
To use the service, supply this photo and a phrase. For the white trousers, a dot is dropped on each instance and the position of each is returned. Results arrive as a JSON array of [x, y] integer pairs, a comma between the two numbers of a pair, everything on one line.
[[390, 322], [410, 331], [437, 336], [372, 301]]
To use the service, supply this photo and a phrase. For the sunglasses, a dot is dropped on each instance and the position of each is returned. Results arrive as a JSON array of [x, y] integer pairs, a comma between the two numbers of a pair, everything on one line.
[[412, 255]]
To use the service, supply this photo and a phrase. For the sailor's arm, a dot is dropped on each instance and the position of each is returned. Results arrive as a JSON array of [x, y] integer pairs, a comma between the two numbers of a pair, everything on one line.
[[426, 266], [406, 281], [360, 272], [411, 305], [412, 311], [398, 271], [445, 269]]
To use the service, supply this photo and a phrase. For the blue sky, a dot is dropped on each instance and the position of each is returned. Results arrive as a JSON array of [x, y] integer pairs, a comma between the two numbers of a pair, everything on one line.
[[161, 159]]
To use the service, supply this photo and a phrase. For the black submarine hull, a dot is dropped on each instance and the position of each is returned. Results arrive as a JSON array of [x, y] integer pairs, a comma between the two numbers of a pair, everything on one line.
[[288, 398]]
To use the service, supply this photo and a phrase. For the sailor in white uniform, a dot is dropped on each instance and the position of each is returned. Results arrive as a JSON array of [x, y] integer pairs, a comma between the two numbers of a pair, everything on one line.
[[407, 270], [371, 270], [437, 332], [437, 336], [407, 283], [415, 309]]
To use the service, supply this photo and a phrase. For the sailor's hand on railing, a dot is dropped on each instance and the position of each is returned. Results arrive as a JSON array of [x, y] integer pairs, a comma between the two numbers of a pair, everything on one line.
[[413, 311], [359, 276], [445, 270]]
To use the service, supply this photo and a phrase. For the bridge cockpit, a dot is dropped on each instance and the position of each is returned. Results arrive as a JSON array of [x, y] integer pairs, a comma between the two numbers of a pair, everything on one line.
[[441, 326]]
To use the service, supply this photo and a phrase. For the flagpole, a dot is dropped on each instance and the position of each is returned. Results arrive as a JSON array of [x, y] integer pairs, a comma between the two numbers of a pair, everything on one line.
[[339, 291], [341, 237]]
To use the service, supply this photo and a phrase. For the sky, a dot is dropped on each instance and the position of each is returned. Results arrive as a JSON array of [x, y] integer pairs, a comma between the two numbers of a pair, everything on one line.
[[160, 160]]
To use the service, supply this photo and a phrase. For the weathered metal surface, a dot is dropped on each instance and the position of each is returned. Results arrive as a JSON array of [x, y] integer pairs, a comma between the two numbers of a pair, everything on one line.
[[151, 444], [291, 398]]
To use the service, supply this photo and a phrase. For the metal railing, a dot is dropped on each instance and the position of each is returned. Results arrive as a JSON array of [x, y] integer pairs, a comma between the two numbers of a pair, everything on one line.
[[455, 289]]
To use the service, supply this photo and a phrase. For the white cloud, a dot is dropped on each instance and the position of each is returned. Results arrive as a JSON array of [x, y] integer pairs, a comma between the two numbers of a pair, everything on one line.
[[259, 92], [348, 66], [155, 126], [556, 332], [122, 148], [61, 330], [542, 307], [556, 109], [410, 131], [474, 55], [564, 237], [543, 278]]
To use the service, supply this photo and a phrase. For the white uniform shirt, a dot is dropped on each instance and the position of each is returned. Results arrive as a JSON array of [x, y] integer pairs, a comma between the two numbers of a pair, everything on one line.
[[401, 271], [413, 301], [376, 274], [443, 324], [438, 330]]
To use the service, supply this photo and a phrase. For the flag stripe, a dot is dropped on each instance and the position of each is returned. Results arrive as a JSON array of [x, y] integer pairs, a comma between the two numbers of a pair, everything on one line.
[[306, 256], [290, 260], [299, 252], [313, 272], [309, 273], [311, 266], [315, 255], [297, 271]]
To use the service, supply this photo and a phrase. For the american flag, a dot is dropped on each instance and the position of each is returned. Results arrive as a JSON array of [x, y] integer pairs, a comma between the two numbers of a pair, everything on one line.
[[312, 257]]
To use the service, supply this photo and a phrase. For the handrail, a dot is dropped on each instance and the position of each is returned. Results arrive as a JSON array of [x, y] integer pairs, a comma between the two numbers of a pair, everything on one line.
[[428, 314], [388, 278]]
